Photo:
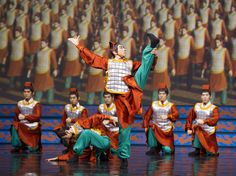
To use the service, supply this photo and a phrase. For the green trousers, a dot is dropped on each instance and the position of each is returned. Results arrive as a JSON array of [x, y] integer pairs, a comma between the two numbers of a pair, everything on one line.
[[198, 145], [16, 142], [87, 138], [153, 142], [144, 70], [124, 142], [141, 79]]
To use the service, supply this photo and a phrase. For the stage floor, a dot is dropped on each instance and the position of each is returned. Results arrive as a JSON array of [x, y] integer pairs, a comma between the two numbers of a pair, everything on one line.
[[139, 163]]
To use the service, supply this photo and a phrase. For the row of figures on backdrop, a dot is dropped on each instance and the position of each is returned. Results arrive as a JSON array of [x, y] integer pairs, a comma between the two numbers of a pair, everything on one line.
[[198, 40]]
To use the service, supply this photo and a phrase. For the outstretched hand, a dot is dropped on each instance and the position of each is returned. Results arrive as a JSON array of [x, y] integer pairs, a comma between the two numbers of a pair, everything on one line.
[[75, 40]]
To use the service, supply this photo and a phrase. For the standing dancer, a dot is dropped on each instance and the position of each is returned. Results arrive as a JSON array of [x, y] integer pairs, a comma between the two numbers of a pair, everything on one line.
[[127, 89]]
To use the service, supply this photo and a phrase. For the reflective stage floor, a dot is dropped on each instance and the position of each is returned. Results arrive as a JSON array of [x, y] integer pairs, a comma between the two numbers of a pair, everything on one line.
[[139, 164]]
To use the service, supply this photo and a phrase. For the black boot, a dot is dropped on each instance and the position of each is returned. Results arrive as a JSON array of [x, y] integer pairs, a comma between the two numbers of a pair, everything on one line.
[[194, 153], [15, 150], [124, 163], [65, 151], [154, 40], [152, 151]]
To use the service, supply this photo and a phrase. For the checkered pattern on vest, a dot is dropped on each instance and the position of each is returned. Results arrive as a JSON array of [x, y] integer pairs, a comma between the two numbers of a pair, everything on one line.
[[117, 69]]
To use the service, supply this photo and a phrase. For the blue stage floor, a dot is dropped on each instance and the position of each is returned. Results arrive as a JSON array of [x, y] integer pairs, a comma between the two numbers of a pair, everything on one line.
[[139, 163]]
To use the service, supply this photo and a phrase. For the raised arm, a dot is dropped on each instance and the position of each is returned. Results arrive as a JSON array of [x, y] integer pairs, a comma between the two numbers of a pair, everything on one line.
[[89, 57]]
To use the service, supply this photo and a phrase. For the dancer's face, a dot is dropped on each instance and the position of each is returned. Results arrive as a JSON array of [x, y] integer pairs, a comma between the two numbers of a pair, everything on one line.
[[162, 42], [17, 34], [2, 25], [121, 51], [162, 96], [205, 97], [44, 44], [218, 43], [125, 33], [108, 99], [73, 99], [27, 94], [199, 24], [72, 33]]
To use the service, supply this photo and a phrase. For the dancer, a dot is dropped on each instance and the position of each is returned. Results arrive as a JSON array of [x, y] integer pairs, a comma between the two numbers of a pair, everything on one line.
[[201, 124], [26, 128], [128, 89], [162, 114]]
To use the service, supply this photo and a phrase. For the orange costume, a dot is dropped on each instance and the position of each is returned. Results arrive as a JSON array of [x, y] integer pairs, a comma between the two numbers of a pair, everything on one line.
[[204, 134], [75, 113], [161, 129], [27, 132], [94, 131], [129, 102], [127, 89]]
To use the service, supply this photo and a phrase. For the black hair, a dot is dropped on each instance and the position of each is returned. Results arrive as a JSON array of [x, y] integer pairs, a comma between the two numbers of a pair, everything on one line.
[[206, 91], [115, 48], [30, 88], [74, 93], [107, 93], [164, 90]]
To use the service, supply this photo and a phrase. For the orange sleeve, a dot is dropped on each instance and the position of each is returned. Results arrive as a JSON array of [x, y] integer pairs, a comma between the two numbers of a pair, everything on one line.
[[174, 114], [93, 120], [171, 61], [147, 117], [113, 37], [35, 117], [224, 29], [92, 59], [191, 44], [10, 35], [44, 32], [214, 119], [189, 120], [136, 65], [63, 121], [136, 28], [90, 29], [26, 47], [17, 112], [27, 25], [53, 59], [208, 38], [133, 48], [227, 60], [83, 115]]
